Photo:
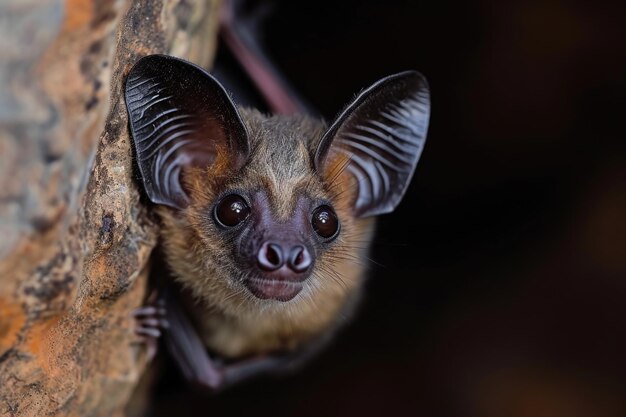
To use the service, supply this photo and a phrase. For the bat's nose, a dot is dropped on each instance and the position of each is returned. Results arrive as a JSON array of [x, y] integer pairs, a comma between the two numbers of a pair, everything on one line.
[[272, 256]]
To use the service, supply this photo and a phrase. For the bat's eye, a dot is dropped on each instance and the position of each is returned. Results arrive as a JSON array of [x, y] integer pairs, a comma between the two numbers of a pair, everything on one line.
[[231, 210], [325, 222]]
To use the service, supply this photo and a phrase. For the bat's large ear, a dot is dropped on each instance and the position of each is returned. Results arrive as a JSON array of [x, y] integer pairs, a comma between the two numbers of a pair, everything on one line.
[[180, 117], [382, 133]]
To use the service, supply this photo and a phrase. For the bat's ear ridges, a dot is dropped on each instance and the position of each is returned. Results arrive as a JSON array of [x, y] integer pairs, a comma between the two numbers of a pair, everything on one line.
[[382, 133], [180, 117]]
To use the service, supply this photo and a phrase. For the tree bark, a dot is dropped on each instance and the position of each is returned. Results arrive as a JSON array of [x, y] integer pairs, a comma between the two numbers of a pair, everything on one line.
[[75, 234]]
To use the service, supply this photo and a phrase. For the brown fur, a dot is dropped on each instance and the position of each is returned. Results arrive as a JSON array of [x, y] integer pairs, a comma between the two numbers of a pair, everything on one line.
[[232, 321]]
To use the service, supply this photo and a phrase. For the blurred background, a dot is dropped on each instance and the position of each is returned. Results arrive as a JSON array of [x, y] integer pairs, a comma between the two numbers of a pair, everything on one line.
[[499, 285]]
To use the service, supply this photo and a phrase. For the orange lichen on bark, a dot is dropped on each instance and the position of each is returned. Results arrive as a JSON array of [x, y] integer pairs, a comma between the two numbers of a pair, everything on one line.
[[75, 263], [10, 325], [77, 13]]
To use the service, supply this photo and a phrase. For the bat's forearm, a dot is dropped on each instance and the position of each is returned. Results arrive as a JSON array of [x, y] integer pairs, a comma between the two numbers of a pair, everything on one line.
[[238, 37]]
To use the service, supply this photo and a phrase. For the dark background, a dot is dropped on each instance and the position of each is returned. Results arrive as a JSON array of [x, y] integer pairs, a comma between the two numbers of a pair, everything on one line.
[[501, 289]]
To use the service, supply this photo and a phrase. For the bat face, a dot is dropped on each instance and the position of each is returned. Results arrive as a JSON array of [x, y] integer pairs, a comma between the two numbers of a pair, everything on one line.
[[267, 219], [275, 255], [265, 232]]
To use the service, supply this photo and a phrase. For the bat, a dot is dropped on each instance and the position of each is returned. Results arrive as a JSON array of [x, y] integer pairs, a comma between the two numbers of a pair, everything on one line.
[[265, 219]]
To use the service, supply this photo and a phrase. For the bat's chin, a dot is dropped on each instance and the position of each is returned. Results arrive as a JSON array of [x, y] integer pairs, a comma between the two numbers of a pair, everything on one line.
[[279, 285]]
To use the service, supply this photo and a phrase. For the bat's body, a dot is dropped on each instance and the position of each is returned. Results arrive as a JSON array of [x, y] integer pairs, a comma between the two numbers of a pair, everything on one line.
[[266, 220]]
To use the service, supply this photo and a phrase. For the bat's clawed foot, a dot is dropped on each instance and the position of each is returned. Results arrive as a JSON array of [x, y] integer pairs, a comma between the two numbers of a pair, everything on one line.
[[150, 321]]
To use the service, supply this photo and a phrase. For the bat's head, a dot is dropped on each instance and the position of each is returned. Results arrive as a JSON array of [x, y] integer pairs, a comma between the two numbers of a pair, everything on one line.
[[268, 215]]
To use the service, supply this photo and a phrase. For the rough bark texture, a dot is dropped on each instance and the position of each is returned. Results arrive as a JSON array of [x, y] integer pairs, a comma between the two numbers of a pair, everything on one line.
[[75, 235]]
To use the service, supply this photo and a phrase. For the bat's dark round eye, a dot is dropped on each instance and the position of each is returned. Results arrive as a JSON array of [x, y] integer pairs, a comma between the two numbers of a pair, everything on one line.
[[325, 222], [231, 210]]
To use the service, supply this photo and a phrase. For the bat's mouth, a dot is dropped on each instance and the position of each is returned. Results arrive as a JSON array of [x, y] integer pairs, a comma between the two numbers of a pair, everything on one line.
[[273, 289]]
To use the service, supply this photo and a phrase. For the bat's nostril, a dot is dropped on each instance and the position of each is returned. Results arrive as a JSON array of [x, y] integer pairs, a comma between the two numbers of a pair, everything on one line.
[[274, 254], [270, 256], [299, 259]]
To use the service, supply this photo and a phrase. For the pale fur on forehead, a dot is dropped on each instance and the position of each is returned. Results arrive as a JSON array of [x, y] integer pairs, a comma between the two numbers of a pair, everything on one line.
[[281, 153]]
